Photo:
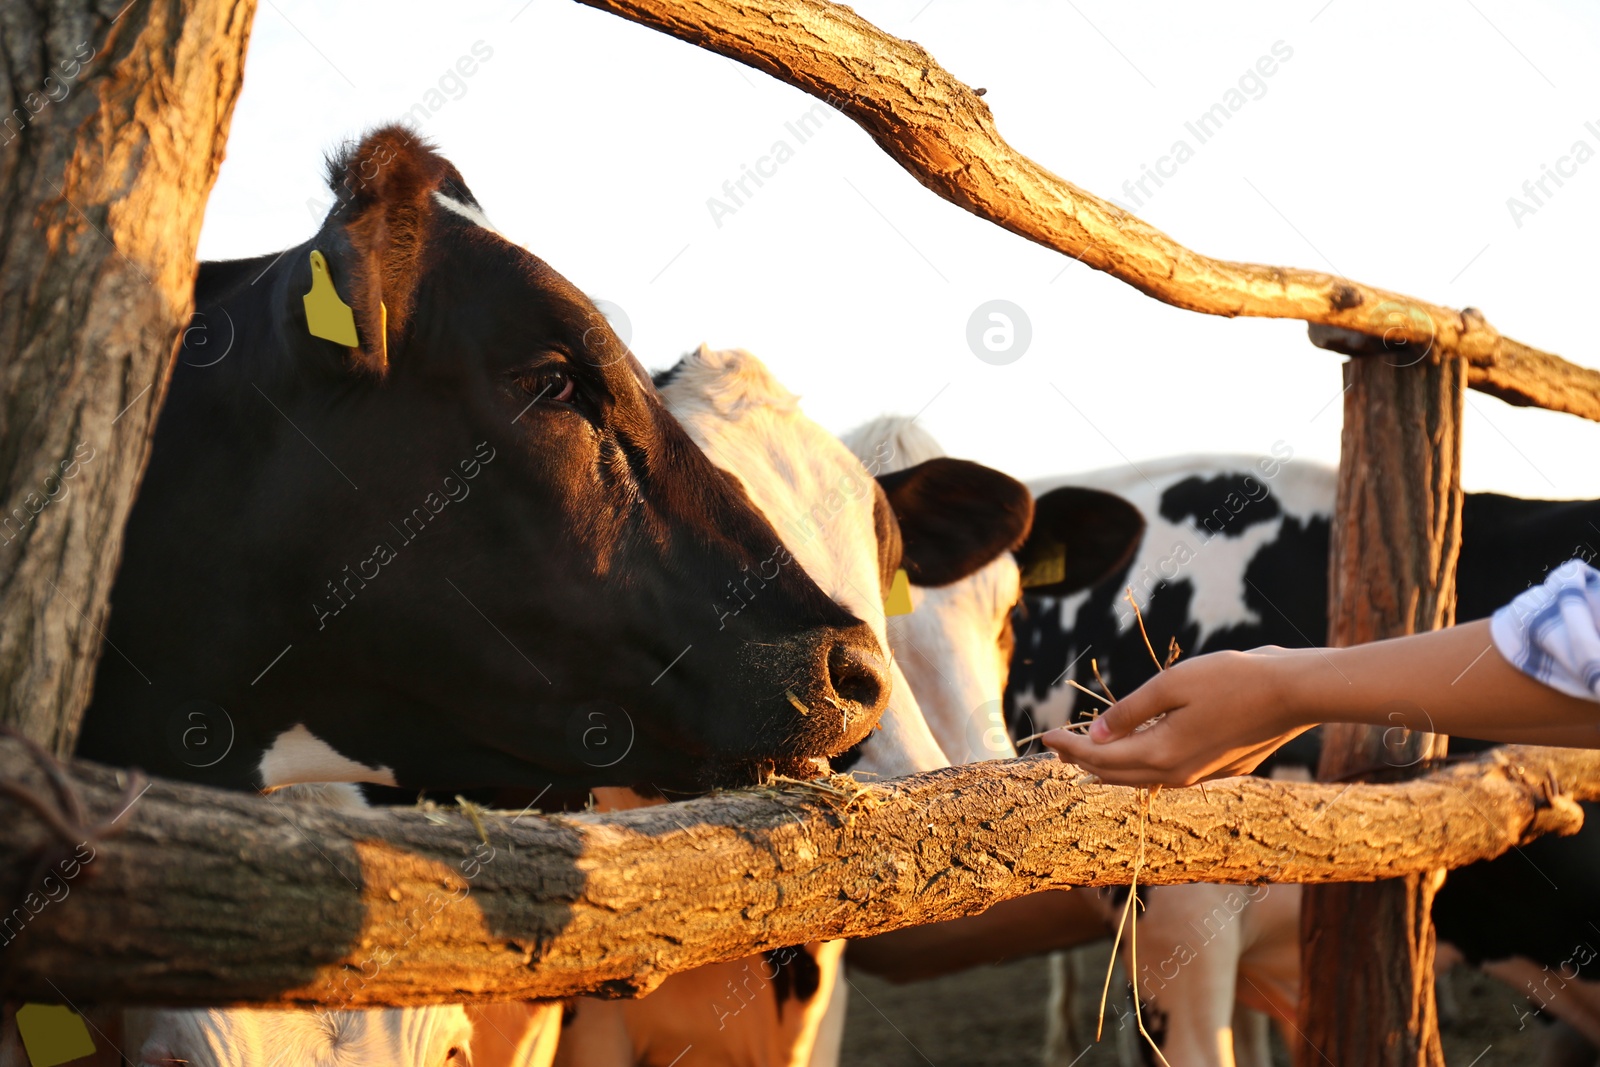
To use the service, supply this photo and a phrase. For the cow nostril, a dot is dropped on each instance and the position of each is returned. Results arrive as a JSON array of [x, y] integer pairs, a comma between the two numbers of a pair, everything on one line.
[[857, 675]]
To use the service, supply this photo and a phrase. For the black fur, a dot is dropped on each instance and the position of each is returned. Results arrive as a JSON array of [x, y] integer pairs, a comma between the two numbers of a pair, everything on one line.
[[955, 516], [1537, 901], [1220, 504], [519, 631]]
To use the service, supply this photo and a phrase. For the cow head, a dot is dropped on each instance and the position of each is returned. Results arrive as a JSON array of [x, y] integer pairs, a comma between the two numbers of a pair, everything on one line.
[[959, 522], [465, 546], [835, 520], [956, 646], [975, 539]]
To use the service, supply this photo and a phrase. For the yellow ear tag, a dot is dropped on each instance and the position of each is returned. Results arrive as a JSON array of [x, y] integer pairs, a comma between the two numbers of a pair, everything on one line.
[[898, 602], [53, 1034], [328, 317]]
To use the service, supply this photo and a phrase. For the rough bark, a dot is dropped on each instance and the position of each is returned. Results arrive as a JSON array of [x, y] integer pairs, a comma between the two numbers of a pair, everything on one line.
[[113, 133], [208, 896], [944, 135], [1397, 530]]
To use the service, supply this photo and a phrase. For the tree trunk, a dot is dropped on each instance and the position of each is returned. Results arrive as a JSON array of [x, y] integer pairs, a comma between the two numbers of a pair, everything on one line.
[[114, 132], [1367, 956], [208, 896]]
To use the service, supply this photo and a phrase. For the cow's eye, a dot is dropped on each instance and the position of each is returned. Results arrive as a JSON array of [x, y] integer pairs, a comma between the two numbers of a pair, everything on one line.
[[556, 386]]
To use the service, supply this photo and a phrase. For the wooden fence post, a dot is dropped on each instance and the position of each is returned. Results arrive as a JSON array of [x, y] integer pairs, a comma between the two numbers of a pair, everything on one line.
[[1367, 992]]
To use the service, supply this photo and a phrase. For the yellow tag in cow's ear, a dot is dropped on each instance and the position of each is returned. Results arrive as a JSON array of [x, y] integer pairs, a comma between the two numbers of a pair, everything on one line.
[[53, 1034], [328, 317], [898, 602]]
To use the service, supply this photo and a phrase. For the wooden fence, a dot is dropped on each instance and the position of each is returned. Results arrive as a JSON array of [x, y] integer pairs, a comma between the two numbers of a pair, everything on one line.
[[1397, 530], [198, 896]]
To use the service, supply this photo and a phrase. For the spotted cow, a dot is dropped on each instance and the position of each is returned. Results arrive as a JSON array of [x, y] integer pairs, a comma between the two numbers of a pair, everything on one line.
[[852, 533], [1235, 556]]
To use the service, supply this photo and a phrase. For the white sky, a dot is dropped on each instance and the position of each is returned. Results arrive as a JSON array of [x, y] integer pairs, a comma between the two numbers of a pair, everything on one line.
[[1385, 149]]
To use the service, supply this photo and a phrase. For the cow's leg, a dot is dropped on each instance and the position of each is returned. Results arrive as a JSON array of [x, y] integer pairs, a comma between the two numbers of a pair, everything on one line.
[[1077, 975], [1061, 1043], [1190, 941], [515, 1033], [830, 1034], [1269, 955], [1072, 1009]]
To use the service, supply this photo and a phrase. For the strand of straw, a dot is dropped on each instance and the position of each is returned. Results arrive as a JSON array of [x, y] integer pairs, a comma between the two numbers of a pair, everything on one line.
[[1145, 796], [1071, 726], [1139, 617], [1094, 665], [1085, 689], [1133, 938]]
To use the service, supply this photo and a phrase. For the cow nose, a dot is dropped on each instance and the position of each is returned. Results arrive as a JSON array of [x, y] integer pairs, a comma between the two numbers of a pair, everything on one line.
[[857, 671]]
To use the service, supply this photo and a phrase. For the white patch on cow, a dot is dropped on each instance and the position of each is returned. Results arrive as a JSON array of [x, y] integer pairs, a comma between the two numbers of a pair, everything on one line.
[[949, 646], [343, 797], [814, 492], [891, 443], [820, 499], [247, 1037], [471, 212], [298, 755], [903, 743]]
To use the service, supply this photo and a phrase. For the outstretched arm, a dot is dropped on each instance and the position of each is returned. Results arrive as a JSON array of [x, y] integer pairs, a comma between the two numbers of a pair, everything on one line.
[[1226, 712]]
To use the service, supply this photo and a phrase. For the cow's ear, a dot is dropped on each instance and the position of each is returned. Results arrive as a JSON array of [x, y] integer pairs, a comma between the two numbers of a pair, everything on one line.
[[1079, 537], [374, 236], [955, 516]]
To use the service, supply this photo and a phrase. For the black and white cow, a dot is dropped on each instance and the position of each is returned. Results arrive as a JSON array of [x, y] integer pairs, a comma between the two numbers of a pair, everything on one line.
[[452, 544], [1077, 538], [1235, 556], [852, 533], [953, 526]]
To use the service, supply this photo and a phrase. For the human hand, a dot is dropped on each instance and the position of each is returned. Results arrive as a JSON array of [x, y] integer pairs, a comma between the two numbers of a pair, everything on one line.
[[1219, 715]]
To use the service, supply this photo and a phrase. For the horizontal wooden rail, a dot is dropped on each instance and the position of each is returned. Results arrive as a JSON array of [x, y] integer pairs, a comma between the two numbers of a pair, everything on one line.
[[205, 896], [944, 135]]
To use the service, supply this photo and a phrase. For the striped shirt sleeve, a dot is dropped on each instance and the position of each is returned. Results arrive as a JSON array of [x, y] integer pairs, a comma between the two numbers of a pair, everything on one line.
[[1551, 632]]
